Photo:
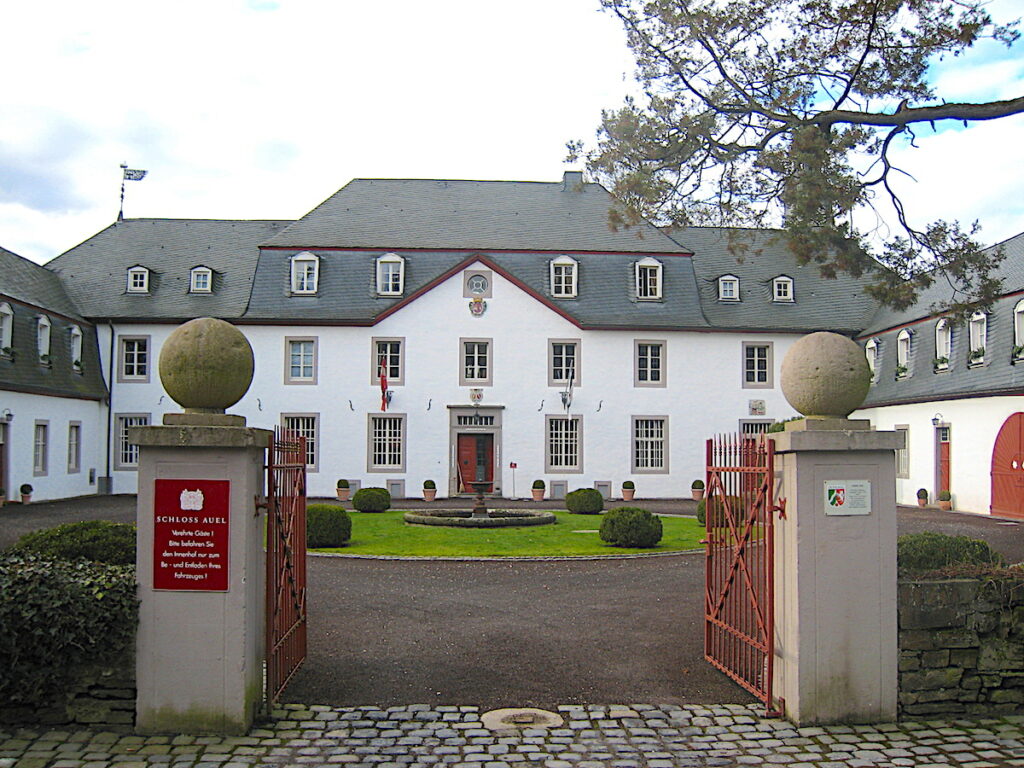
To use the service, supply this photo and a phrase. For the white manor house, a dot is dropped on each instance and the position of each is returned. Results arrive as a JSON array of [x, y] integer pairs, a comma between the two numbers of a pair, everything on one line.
[[461, 331]]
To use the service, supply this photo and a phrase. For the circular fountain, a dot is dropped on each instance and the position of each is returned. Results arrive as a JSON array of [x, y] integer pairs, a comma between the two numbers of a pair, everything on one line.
[[480, 516]]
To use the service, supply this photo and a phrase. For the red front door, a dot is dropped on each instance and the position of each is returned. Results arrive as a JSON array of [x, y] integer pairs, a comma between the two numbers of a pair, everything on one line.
[[476, 460], [1008, 468], [943, 438]]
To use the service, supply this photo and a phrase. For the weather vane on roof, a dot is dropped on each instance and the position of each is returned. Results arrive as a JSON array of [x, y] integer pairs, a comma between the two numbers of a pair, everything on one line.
[[128, 174]]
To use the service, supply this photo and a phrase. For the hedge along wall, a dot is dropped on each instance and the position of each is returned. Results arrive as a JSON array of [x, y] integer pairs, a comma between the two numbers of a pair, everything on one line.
[[961, 647]]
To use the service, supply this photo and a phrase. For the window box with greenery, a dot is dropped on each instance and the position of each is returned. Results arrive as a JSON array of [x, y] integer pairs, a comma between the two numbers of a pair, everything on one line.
[[44, 359], [1017, 354], [26, 493], [538, 490], [76, 366], [429, 490], [976, 356], [697, 490], [628, 490], [902, 371], [922, 497], [343, 490], [940, 364], [945, 501], [7, 352]]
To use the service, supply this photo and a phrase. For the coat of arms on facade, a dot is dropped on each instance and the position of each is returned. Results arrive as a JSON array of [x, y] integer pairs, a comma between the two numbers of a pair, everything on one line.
[[192, 500], [477, 307], [476, 395]]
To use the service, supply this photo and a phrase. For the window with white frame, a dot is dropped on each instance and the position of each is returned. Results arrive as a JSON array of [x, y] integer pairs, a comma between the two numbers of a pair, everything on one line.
[[903, 454], [563, 444], [871, 353], [43, 338], [978, 333], [41, 448], [943, 344], [649, 367], [728, 288], [390, 275], [76, 347], [648, 278], [388, 361], [476, 362], [1018, 330], [387, 443], [650, 444], [201, 280], [305, 269], [782, 289], [134, 359], [138, 280], [305, 425], [127, 453], [563, 277], [563, 362], [301, 360], [6, 328], [757, 365], [903, 354], [74, 447]]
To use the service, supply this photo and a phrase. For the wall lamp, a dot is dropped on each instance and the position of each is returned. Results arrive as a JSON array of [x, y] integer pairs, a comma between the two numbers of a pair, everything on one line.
[[936, 419], [6, 416]]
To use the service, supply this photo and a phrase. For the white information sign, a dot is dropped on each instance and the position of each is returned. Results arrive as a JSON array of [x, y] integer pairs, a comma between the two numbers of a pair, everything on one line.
[[847, 497]]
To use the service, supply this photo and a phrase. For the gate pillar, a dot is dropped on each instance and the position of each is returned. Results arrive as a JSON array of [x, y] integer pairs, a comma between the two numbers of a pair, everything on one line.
[[835, 551], [200, 563]]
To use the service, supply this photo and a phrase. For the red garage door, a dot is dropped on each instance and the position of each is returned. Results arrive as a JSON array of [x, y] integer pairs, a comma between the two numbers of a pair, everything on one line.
[[1008, 469]]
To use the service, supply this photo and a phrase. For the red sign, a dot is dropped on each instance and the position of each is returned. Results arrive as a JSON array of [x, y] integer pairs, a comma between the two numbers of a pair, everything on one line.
[[190, 538], [512, 464]]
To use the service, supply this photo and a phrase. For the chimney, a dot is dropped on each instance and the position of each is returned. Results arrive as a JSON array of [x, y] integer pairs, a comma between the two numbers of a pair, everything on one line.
[[572, 181]]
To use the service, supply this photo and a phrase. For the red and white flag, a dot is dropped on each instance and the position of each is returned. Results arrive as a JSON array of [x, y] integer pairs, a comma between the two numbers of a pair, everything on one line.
[[383, 385]]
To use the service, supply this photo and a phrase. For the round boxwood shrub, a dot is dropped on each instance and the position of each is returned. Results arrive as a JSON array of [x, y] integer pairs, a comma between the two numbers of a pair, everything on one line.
[[717, 510], [372, 500], [930, 551], [584, 501], [98, 541], [630, 527], [327, 525], [538, 485]]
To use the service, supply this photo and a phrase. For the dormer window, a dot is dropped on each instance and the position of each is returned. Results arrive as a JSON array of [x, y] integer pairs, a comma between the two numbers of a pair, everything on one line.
[[563, 277], [903, 354], [978, 332], [728, 288], [6, 328], [76, 347], [943, 345], [305, 273], [201, 280], [782, 289], [871, 353], [390, 275], [1018, 331], [43, 338], [138, 280], [648, 279]]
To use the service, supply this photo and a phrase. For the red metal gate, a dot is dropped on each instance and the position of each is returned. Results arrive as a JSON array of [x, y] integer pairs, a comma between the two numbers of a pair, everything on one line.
[[739, 571], [286, 559]]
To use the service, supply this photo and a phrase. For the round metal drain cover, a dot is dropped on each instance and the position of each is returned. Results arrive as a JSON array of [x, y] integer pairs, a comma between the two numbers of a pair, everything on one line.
[[520, 717]]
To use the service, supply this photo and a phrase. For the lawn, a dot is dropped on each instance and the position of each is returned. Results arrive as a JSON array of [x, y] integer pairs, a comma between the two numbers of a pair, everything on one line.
[[387, 533]]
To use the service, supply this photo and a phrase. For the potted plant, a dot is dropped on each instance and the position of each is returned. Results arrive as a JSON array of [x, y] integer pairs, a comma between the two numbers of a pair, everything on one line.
[[922, 497], [1018, 352], [26, 493], [977, 355], [940, 363], [343, 490], [628, 490], [538, 490], [901, 371], [697, 489], [945, 501], [429, 490], [3, 495]]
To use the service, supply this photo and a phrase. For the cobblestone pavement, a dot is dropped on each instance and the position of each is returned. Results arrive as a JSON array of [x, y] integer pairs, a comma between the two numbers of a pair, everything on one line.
[[628, 736]]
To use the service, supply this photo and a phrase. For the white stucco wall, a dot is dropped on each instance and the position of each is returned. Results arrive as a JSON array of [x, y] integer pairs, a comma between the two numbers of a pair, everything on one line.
[[974, 424], [704, 392]]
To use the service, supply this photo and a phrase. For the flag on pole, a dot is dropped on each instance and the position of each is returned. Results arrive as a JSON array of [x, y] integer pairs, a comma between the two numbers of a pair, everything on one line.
[[131, 174], [383, 385]]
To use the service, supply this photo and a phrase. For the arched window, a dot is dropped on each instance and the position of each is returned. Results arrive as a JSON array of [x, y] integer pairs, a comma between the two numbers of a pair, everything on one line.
[[305, 272], [76, 347], [903, 354], [871, 353], [43, 338], [1018, 331], [201, 280], [563, 277], [782, 289], [943, 344], [728, 288], [138, 280], [978, 332], [6, 328], [648, 278], [390, 275]]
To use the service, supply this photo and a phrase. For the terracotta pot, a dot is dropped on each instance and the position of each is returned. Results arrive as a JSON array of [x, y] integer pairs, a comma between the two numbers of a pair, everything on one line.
[[429, 494], [344, 493], [945, 506], [922, 502], [698, 493], [26, 498], [538, 494], [628, 494]]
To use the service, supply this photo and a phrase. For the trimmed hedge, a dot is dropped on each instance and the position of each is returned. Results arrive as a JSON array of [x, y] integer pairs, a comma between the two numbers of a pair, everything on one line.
[[631, 527], [57, 616], [327, 525], [584, 501], [372, 500], [930, 551], [99, 541], [718, 512]]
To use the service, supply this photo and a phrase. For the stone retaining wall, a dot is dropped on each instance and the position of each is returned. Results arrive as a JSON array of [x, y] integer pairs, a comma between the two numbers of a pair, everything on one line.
[[961, 647], [102, 697]]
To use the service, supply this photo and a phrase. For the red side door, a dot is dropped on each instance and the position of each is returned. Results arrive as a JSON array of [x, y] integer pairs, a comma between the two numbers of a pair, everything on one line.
[[1008, 469], [943, 458]]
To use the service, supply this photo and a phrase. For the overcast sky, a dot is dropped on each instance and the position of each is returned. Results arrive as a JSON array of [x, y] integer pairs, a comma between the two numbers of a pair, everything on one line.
[[263, 108]]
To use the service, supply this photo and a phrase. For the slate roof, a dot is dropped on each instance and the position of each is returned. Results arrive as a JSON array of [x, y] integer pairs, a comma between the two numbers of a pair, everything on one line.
[[95, 272], [32, 291], [757, 257], [485, 215]]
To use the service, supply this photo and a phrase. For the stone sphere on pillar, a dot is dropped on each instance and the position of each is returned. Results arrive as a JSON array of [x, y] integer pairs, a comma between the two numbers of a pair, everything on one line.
[[206, 365], [825, 375]]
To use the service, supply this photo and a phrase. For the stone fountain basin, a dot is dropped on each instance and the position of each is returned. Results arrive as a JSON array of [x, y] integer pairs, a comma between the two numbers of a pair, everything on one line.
[[463, 518]]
